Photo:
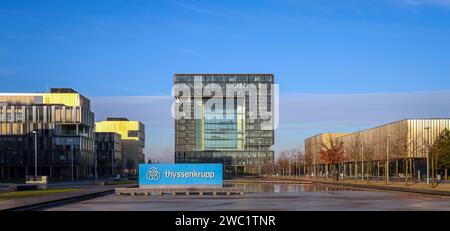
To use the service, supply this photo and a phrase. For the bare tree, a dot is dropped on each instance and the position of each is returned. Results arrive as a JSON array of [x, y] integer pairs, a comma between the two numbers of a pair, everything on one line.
[[368, 158], [301, 162], [403, 146], [354, 153], [290, 161], [298, 161], [308, 162], [282, 163]]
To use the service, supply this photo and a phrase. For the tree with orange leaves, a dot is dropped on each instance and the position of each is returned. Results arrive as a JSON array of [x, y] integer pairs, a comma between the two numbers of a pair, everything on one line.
[[332, 152]]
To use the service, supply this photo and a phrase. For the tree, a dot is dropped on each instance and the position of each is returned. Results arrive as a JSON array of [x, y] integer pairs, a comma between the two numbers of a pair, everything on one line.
[[309, 162], [368, 157], [297, 161], [440, 152], [402, 147], [354, 153], [283, 163], [289, 162], [332, 152], [301, 162]]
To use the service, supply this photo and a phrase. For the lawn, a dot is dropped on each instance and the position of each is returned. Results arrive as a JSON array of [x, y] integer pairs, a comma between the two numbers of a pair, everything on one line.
[[34, 193]]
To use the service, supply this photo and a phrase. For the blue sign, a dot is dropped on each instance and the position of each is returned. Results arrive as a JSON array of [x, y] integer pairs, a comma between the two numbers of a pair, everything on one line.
[[180, 175]]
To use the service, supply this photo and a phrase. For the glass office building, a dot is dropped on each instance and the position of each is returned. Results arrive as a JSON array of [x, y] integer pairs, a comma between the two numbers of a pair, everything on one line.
[[132, 136], [64, 131], [233, 135]]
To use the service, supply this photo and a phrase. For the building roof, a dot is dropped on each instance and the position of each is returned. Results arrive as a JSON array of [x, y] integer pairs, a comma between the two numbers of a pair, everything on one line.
[[117, 119], [62, 90], [394, 122]]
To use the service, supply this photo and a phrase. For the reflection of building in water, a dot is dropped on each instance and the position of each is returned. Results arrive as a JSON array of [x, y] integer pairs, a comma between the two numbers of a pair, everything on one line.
[[62, 121], [230, 136]]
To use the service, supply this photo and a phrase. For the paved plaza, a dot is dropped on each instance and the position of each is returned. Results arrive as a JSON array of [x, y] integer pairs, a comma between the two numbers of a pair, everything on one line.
[[281, 197]]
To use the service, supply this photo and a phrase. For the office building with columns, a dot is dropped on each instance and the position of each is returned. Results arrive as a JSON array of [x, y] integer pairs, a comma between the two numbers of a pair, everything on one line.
[[370, 150]]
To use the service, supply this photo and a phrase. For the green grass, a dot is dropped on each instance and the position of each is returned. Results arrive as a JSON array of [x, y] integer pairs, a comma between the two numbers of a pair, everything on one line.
[[34, 193]]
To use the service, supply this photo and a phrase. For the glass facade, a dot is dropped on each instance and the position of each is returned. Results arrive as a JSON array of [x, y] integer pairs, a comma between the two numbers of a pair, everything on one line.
[[224, 131], [108, 148], [230, 136], [132, 136], [62, 129]]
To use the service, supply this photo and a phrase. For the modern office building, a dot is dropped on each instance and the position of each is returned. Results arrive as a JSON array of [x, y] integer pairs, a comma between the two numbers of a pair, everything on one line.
[[132, 135], [216, 124], [108, 148], [60, 123], [395, 142]]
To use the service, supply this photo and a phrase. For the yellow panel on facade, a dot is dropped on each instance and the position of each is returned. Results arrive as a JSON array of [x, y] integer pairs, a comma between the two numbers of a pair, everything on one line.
[[68, 99], [121, 127]]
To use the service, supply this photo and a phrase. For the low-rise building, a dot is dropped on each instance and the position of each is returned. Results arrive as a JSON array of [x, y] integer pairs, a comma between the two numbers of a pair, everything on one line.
[[132, 135], [407, 139]]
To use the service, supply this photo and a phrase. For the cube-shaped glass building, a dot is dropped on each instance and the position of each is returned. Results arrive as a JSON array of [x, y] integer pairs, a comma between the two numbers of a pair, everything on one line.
[[225, 118]]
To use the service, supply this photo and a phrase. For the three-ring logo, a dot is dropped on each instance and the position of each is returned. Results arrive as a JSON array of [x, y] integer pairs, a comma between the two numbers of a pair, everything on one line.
[[153, 174]]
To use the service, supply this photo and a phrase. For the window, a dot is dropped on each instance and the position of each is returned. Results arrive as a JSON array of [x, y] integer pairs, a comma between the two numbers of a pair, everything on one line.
[[133, 133]]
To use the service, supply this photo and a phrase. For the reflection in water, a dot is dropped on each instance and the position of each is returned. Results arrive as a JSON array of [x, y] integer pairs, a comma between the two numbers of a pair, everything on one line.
[[279, 188]]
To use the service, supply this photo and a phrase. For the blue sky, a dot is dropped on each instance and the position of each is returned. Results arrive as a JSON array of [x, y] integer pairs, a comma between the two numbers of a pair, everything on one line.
[[316, 48]]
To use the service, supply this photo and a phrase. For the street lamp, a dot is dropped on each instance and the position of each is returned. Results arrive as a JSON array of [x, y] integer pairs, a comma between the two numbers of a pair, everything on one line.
[[35, 152], [71, 164], [314, 162], [362, 160], [428, 154], [387, 158]]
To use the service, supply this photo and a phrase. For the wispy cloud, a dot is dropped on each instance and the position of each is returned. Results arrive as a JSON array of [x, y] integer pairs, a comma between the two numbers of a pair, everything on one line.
[[197, 8], [439, 3], [43, 36]]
